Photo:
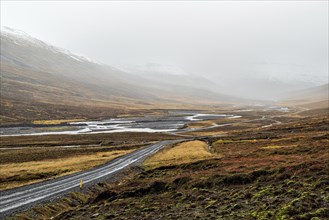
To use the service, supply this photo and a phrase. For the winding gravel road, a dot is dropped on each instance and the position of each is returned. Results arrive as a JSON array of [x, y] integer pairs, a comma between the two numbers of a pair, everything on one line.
[[27, 196]]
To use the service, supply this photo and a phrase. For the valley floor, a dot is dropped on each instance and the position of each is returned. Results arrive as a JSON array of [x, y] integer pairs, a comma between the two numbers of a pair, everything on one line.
[[255, 171]]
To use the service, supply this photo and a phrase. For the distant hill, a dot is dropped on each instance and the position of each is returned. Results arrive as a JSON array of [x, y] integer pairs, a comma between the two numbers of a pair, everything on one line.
[[41, 81], [315, 97]]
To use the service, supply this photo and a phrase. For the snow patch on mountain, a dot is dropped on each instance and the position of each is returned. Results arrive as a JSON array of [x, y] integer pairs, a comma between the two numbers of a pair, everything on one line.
[[21, 38]]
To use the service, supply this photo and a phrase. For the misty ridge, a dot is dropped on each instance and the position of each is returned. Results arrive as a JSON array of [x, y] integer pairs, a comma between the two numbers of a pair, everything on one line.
[[242, 50], [146, 81], [216, 54]]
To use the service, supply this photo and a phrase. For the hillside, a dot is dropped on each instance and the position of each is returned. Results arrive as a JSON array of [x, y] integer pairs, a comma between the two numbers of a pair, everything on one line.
[[41, 81], [315, 97]]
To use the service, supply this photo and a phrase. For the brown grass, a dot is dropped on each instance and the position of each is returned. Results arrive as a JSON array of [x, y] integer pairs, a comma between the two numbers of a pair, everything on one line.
[[54, 122], [274, 173], [284, 145], [278, 147], [18, 174], [185, 152], [201, 124], [29, 159], [204, 133], [208, 123]]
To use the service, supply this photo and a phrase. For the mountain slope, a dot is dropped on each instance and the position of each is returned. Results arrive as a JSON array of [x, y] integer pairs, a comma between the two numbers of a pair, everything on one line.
[[315, 97], [40, 81]]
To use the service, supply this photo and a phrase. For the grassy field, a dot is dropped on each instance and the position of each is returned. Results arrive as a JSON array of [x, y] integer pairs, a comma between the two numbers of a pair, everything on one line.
[[114, 139], [30, 159], [253, 172], [186, 152], [278, 172], [55, 122], [18, 174]]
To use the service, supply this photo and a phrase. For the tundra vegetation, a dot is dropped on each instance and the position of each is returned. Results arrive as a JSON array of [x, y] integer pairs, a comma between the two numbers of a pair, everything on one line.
[[276, 172], [26, 159]]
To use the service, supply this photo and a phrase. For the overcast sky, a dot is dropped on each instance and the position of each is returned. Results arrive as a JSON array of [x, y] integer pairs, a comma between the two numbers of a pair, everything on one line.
[[219, 40]]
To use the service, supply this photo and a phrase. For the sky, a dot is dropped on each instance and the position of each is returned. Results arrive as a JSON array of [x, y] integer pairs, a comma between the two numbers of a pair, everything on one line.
[[227, 42]]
